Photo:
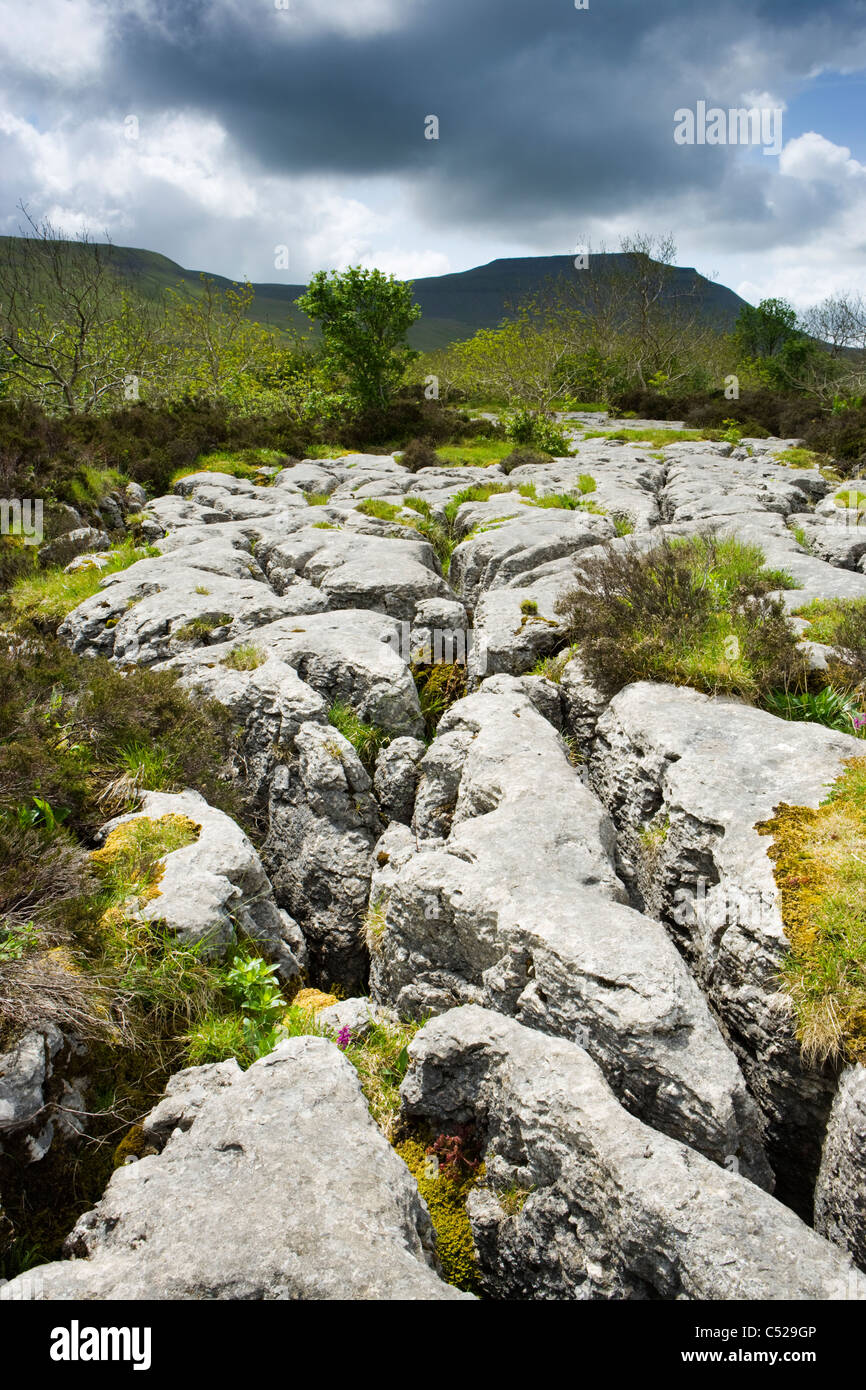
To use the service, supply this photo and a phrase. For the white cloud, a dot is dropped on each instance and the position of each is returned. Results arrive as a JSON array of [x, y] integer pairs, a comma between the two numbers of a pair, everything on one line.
[[811, 157], [62, 39], [225, 215]]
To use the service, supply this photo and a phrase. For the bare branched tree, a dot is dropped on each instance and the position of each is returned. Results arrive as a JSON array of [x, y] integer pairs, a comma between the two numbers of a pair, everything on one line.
[[73, 329]]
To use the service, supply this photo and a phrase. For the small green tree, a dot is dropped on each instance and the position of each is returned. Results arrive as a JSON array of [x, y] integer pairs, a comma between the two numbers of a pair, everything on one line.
[[763, 331], [364, 316], [220, 349]]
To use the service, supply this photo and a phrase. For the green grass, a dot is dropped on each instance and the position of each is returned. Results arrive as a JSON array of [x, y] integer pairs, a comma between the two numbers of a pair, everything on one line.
[[419, 505], [833, 708], [826, 617], [90, 485], [649, 436], [141, 767], [240, 463], [819, 859], [689, 612], [366, 739], [727, 567], [246, 657], [317, 499], [564, 501], [480, 493], [552, 667], [46, 598], [851, 498], [377, 507], [801, 458], [479, 453]]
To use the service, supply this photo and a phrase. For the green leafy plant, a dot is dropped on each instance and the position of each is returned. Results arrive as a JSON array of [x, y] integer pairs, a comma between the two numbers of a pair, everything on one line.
[[439, 686], [830, 707]]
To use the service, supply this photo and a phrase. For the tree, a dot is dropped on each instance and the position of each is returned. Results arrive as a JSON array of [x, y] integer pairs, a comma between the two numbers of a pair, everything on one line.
[[763, 331], [75, 333], [221, 353], [364, 316], [631, 317], [839, 322]]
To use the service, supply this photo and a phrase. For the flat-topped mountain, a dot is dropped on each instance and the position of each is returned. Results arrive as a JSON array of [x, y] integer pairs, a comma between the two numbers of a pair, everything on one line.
[[454, 306]]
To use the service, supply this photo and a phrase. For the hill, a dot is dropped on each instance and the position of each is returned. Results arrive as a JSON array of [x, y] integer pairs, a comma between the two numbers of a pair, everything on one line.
[[454, 306]]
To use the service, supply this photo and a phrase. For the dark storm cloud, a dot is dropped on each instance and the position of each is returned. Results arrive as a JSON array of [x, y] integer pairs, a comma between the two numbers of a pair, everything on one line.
[[542, 107], [552, 120]]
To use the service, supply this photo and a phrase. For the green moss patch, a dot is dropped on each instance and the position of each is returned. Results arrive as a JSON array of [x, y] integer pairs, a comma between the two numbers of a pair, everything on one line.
[[819, 862], [445, 1186]]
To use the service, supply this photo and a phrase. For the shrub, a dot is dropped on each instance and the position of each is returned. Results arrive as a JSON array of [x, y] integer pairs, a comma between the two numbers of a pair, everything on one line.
[[527, 427], [418, 454], [690, 612], [71, 726], [524, 458]]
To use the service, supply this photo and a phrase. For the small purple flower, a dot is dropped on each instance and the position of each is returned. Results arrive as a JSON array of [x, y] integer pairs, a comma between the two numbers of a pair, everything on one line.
[[343, 1038], [859, 721]]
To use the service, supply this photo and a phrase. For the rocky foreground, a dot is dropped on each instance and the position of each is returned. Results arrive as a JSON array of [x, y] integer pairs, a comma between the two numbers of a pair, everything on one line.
[[646, 1122]]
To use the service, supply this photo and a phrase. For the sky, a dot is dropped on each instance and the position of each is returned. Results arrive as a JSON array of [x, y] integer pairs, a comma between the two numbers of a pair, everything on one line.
[[272, 138]]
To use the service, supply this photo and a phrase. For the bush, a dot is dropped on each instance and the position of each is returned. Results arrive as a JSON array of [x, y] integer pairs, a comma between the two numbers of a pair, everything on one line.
[[418, 455], [689, 612], [75, 730], [61, 457], [527, 427], [524, 458]]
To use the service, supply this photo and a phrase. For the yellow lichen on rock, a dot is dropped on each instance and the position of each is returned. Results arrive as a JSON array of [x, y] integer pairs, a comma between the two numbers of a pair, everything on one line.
[[312, 1000], [129, 859]]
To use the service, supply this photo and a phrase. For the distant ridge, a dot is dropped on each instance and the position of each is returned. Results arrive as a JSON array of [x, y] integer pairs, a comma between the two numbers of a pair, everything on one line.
[[454, 306]]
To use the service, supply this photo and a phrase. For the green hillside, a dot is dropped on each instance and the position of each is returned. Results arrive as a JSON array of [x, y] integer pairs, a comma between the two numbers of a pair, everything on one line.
[[454, 306]]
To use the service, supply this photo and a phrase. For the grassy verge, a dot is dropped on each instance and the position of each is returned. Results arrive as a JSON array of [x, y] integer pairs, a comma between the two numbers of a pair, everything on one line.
[[658, 437], [44, 599], [238, 463], [479, 453]]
